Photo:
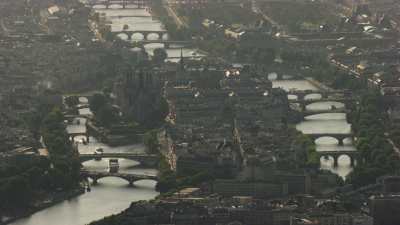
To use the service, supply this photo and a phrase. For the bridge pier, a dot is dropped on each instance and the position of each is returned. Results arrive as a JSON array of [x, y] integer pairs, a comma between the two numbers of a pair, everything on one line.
[[352, 161], [324, 95], [94, 181], [131, 183], [300, 96], [335, 160], [303, 106], [341, 141], [166, 45]]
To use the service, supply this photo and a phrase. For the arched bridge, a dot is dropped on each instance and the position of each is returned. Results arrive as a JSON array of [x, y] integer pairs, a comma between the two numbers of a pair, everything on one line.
[[123, 3], [131, 178], [301, 95], [167, 43], [352, 154], [304, 102], [144, 159], [339, 136], [146, 33], [73, 135], [305, 113]]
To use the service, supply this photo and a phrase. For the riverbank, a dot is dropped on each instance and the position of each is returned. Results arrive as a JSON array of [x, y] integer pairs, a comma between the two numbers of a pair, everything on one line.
[[44, 204]]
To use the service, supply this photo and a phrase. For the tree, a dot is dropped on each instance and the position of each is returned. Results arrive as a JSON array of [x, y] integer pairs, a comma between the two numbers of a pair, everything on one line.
[[97, 102], [159, 55], [107, 115], [151, 142]]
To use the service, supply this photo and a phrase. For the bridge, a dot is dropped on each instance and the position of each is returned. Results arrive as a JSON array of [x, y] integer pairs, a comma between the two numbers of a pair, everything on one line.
[[314, 112], [145, 33], [140, 4], [73, 135], [167, 43], [71, 116], [131, 178], [339, 137], [352, 154], [304, 102], [147, 160], [302, 95]]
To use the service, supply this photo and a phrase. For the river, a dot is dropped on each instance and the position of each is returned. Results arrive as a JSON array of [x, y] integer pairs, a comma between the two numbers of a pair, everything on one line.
[[334, 123], [133, 19], [110, 196]]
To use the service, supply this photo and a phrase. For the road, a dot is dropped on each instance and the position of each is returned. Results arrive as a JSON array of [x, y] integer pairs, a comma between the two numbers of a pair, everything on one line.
[[395, 148], [172, 13], [4, 28]]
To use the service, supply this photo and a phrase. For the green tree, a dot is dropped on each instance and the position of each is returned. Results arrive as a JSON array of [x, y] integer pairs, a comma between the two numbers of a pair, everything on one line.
[[97, 102], [151, 142], [159, 55]]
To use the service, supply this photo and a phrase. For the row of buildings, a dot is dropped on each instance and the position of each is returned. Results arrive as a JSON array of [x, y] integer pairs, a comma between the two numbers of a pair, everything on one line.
[[200, 206]]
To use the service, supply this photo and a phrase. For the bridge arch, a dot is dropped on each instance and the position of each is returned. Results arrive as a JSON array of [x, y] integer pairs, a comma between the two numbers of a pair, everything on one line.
[[123, 36], [150, 35], [130, 178], [336, 155], [341, 138], [165, 36], [137, 36], [326, 140], [313, 96], [74, 135]]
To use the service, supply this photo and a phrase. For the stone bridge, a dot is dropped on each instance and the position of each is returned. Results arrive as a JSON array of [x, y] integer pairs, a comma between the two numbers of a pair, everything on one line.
[[144, 159], [73, 135], [167, 44], [339, 137], [301, 95], [123, 3], [314, 112], [353, 155], [131, 178], [304, 102], [146, 33]]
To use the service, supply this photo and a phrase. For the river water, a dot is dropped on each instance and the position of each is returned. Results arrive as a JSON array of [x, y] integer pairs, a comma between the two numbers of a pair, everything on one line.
[[322, 123], [133, 19], [110, 196]]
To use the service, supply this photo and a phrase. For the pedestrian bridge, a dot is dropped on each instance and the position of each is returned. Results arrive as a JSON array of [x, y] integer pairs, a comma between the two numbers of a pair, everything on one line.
[[95, 176]]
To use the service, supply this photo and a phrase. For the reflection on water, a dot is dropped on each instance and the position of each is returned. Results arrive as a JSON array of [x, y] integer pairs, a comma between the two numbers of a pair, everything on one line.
[[343, 167], [327, 116], [110, 196], [300, 85], [324, 126], [326, 105], [313, 96], [133, 19], [324, 123]]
